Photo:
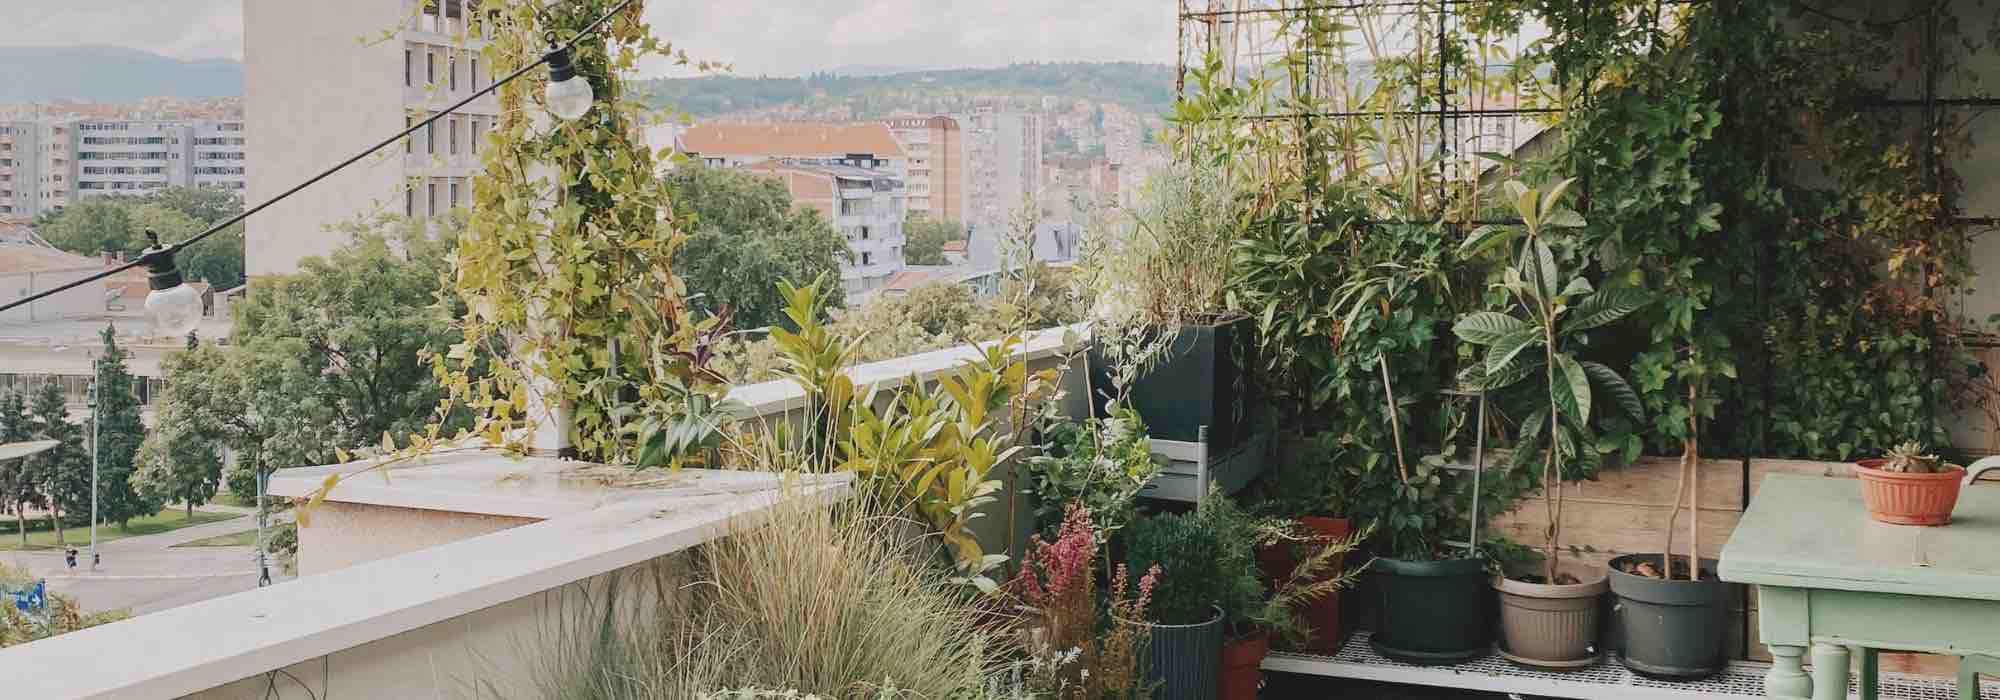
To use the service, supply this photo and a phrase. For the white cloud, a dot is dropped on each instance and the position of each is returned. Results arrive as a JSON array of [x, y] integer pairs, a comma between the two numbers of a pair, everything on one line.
[[783, 38]]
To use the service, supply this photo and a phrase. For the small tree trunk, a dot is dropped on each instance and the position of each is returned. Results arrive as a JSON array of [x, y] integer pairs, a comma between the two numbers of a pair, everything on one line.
[[190, 507], [1694, 488], [21, 521], [55, 521]]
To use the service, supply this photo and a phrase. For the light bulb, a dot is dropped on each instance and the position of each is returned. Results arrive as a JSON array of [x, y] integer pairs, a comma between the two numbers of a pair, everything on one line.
[[568, 95], [174, 310], [569, 99], [173, 306]]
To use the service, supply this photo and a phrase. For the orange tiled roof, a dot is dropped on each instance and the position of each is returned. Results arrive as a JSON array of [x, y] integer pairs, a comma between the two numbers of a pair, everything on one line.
[[954, 246], [907, 279], [790, 140]]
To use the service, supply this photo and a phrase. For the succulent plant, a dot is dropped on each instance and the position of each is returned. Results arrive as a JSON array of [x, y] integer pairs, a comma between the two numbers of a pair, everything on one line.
[[1909, 458]]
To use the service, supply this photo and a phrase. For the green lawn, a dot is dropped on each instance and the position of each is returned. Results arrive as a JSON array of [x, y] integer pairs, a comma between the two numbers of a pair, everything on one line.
[[79, 535], [246, 538], [231, 499]]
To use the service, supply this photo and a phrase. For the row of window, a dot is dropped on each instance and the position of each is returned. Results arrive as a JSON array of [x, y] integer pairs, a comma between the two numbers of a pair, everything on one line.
[[124, 170], [430, 66], [119, 185], [127, 155], [223, 185], [468, 130], [125, 140], [219, 141], [439, 195], [219, 155], [75, 387], [102, 126], [452, 20], [218, 170]]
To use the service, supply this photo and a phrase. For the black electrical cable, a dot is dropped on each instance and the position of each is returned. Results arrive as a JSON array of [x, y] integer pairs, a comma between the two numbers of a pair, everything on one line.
[[169, 251]]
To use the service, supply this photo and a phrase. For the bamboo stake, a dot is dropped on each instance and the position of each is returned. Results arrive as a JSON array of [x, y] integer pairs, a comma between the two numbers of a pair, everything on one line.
[[1694, 490], [1395, 422]]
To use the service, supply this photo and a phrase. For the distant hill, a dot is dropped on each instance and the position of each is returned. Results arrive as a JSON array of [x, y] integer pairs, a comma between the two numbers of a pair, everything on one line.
[[109, 74], [1145, 88]]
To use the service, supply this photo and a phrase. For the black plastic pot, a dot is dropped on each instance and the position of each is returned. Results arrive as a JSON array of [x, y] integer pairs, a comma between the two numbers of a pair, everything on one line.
[[1183, 662], [1432, 612], [1671, 629], [1196, 382]]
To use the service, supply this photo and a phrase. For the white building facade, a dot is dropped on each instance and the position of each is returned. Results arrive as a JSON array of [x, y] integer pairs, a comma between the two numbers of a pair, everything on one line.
[[46, 165], [306, 73]]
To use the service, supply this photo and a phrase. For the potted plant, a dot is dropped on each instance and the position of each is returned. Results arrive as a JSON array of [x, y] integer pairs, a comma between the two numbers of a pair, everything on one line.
[[1167, 342], [1305, 488], [1206, 568], [1073, 655], [1101, 464], [1549, 619], [1909, 487], [1673, 611], [1283, 612]]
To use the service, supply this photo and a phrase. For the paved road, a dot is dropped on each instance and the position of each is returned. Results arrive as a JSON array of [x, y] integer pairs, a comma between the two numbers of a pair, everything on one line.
[[149, 573]]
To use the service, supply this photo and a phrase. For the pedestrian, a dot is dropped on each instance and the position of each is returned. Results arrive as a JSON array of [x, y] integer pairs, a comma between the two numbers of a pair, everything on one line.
[[69, 557]]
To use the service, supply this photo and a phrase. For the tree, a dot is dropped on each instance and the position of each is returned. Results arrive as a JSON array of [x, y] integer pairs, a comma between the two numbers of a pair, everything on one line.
[[119, 433], [64, 471], [178, 462], [118, 223], [748, 235], [925, 239], [329, 358], [19, 488]]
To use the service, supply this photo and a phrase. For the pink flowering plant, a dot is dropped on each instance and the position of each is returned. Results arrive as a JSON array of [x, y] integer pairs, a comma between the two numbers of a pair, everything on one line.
[[1079, 649]]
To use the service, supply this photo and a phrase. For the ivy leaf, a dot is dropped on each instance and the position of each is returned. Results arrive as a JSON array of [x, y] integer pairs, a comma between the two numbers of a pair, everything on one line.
[[1621, 392], [1606, 307], [1487, 327]]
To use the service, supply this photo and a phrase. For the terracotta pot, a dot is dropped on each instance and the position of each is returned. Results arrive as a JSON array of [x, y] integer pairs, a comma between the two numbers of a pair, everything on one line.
[[1550, 626], [1322, 615], [1908, 499], [1242, 668]]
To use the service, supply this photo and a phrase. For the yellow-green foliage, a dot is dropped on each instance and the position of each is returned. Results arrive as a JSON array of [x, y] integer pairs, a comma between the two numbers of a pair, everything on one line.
[[65, 615]]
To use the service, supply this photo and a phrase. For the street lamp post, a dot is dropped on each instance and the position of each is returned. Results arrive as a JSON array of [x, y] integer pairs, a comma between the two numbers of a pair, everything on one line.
[[97, 373]]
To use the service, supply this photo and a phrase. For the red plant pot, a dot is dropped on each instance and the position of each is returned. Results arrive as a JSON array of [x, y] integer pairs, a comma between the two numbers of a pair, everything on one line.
[[1242, 668], [1323, 614], [1908, 499]]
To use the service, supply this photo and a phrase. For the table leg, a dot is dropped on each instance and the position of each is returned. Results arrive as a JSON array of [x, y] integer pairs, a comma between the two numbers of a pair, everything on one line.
[[1787, 679], [1829, 673], [1870, 671]]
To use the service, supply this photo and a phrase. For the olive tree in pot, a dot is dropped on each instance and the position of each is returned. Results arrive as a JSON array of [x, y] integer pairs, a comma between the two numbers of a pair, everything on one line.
[[1548, 619], [1167, 342], [1206, 569]]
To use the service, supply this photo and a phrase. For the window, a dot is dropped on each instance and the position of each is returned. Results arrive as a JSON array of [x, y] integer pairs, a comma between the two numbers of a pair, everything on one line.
[[409, 145], [473, 74], [454, 194], [431, 137], [864, 233], [472, 133], [409, 66], [867, 258], [432, 198], [410, 202], [430, 67], [453, 129], [451, 67]]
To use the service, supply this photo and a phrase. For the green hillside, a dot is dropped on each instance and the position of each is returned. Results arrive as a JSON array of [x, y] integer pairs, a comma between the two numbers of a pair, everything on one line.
[[1142, 87]]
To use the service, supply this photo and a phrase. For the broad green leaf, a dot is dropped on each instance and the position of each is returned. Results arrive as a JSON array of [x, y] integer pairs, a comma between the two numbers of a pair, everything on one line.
[[1507, 348], [1486, 237], [1605, 307], [1563, 218], [1487, 327], [1621, 392], [1475, 378], [1554, 197], [1579, 385]]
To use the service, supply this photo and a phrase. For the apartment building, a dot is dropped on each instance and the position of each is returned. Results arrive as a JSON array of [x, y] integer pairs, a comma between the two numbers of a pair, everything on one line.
[[305, 73], [866, 205], [937, 179], [20, 179], [51, 163], [1004, 163]]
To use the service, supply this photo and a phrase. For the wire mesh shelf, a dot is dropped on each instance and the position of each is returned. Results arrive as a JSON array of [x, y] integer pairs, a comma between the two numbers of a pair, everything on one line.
[[1606, 679]]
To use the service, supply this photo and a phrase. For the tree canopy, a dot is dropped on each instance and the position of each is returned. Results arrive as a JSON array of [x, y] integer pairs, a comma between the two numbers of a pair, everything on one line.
[[748, 235], [924, 239], [328, 358], [117, 223], [119, 432]]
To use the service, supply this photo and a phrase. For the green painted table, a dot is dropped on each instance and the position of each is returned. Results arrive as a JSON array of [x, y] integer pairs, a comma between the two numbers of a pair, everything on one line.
[[1828, 578]]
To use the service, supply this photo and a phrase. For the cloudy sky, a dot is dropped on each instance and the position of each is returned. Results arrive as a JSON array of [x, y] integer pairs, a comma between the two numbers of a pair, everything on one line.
[[782, 37]]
